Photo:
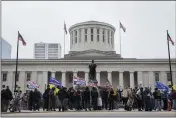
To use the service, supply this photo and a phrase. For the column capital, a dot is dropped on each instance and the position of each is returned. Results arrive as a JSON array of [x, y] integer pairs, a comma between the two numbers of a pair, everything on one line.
[[120, 71], [53, 71], [75, 71], [131, 71], [63, 71], [109, 71]]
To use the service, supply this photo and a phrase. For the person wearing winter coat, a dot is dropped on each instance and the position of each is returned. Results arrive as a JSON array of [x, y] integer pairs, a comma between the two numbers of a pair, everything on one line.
[[36, 99], [94, 95], [86, 95], [62, 98], [173, 97], [111, 99], [105, 98], [6, 97], [46, 98]]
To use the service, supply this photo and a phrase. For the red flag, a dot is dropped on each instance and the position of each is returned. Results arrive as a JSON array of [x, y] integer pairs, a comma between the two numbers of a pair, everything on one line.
[[169, 39], [20, 38], [123, 28]]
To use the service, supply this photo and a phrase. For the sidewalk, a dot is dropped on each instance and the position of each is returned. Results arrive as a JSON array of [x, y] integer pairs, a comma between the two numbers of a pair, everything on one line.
[[41, 111]]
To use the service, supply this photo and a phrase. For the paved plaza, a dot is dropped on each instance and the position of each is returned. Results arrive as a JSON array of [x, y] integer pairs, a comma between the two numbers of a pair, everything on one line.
[[105, 114]]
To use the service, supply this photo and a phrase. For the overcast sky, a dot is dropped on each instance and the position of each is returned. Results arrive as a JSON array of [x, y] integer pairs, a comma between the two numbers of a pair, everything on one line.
[[146, 24]]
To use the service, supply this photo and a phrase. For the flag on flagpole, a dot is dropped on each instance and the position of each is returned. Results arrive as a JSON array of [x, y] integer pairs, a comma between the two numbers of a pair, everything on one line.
[[122, 27], [20, 38], [161, 86], [65, 28], [55, 82], [169, 39]]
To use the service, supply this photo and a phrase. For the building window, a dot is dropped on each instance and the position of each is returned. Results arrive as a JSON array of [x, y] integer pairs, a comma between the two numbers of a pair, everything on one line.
[[79, 35], [168, 77], [71, 37], [28, 76], [111, 37], [108, 36], [98, 35], [85, 35], [75, 36], [98, 38], [157, 76], [4, 77], [103, 36], [91, 34]]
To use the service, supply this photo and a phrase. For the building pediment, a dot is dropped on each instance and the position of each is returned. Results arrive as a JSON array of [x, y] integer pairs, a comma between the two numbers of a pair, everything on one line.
[[95, 54]]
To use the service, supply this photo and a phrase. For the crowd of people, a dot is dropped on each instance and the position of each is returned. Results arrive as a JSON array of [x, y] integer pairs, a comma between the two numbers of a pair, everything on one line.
[[89, 98]]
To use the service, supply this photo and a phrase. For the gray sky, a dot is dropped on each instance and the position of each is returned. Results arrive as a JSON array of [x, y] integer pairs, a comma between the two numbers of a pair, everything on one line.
[[146, 24]]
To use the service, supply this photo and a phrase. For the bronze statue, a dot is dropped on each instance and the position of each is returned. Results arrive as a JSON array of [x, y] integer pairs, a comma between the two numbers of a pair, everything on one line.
[[92, 70]]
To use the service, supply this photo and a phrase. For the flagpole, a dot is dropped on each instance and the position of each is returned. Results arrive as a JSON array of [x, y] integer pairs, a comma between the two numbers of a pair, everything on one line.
[[169, 59], [64, 38], [16, 71], [120, 39]]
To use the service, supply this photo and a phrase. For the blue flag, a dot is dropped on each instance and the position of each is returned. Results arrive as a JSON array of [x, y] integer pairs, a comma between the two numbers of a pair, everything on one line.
[[161, 86], [55, 82]]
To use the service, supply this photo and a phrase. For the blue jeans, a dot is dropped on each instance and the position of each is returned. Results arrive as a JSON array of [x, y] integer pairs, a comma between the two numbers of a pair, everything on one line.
[[174, 104], [158, 104]]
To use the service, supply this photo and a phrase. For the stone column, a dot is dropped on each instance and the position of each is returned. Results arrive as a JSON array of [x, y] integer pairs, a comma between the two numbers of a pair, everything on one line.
[[98, 78], [163, 77], [94, 35], [101, 35], [88, 35], [86, 77], [63, 78], [151, 80], [174, 77], [131, 79], [78, 37], [121, 84], [22, 81], [10, 80], [82, 36], [44, 81], [140, 78]]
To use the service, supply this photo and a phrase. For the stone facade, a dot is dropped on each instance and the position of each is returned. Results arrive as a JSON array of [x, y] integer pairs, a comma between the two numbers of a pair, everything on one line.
[[120, 73]]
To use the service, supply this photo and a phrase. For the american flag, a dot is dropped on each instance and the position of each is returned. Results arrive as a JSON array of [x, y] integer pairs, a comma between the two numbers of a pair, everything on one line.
[[32, 85], [169, 39], [78, 81], [20, 38]]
